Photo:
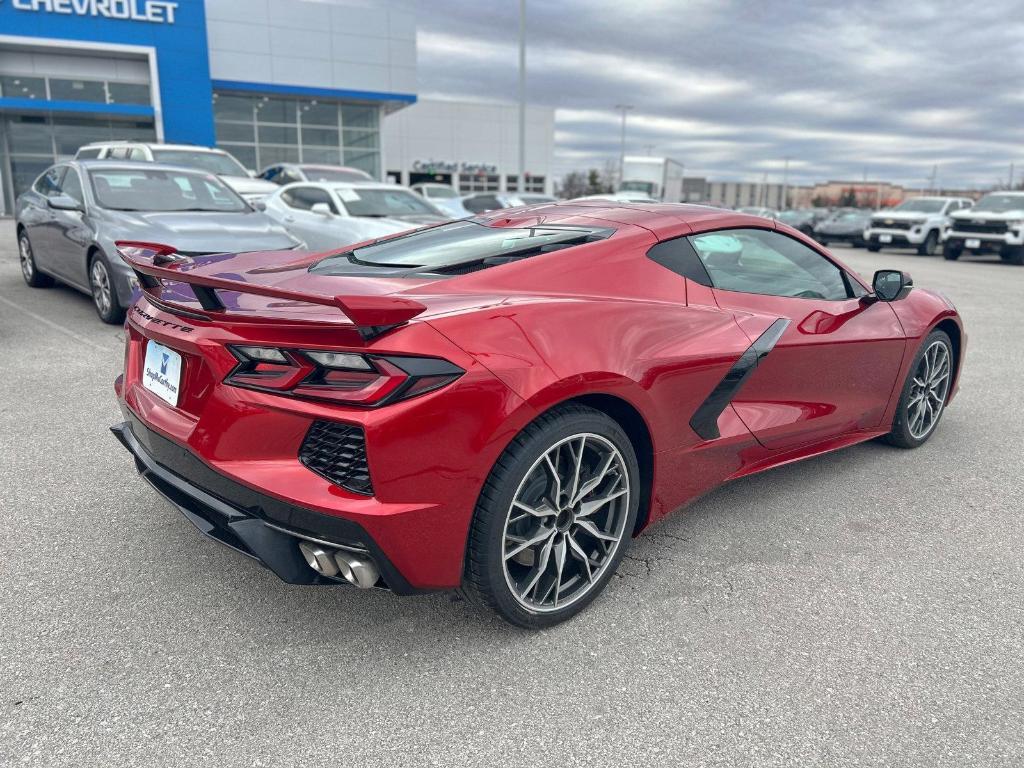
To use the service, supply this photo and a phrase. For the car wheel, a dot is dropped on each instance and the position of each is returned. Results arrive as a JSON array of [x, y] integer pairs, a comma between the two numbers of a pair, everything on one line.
[[1013, 255], [951, 251], [554, 518], [33, 277], [104, 293], [874, 247], [924, 393], [927, 248]]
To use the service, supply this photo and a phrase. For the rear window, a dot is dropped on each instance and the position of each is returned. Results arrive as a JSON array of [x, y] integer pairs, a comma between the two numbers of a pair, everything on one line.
[[381, 203], [462, 244]]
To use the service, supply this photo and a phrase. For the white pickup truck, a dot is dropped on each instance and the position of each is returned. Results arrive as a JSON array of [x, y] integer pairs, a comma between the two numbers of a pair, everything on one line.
[[917, 222], [994, 225]]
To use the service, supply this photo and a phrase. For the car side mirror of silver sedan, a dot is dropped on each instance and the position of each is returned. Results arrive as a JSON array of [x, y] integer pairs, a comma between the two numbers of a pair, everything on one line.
[[63, 203], [322, 208]]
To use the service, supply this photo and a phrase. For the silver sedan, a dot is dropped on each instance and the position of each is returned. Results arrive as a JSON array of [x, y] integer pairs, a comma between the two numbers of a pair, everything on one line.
[[330, 215], [69, 220]]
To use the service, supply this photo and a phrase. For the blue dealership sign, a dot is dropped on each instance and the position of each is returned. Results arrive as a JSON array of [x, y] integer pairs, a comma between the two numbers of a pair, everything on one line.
[[175, 30]]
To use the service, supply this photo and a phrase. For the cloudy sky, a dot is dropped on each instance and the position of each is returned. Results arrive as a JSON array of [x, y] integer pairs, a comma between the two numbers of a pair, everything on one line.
[[844, 89]]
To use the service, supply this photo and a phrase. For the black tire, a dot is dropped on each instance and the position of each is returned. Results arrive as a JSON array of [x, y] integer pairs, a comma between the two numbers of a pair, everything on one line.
[[485, 574], [902, 435], [104, 295], [874, 247], [951, 251], [27, 259], [930, 244], [1013, 255]]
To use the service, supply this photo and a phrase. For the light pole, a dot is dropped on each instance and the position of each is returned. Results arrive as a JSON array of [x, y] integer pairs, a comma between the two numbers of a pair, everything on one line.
[[623, 108], [785, 184], [522, 95]]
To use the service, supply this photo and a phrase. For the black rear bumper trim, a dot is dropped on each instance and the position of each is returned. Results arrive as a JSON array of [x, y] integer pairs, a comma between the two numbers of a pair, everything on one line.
[[259, 526]]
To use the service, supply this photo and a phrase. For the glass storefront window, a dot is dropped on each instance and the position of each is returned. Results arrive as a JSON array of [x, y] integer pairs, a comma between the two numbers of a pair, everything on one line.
[[23, 87], [35, 142], [319, 113], [269, 130], [270, 110], [232, 107], [358, 116], [129, 93], [78, 90]]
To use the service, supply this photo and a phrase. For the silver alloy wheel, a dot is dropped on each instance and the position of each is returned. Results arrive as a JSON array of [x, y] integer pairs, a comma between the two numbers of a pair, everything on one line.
[[928, 390], [566, 522], [25, 257], [101, 286]]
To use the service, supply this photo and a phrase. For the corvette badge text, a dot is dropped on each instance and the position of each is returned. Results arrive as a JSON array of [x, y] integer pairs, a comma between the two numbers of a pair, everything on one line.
[[155, 11]]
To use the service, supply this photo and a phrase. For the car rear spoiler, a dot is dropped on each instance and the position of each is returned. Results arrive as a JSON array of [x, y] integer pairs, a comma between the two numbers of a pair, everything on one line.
[[152, 262]]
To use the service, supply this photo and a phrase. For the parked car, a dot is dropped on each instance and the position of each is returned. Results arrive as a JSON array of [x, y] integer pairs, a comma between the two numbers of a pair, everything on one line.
[[207, 159], [917, 222], [68, 221], [482, 202], [444, 196], [803, 219], [764, 213], [623, 196], [330, 215], [289, 173], [502, 404], [994, 225], [843, 227]]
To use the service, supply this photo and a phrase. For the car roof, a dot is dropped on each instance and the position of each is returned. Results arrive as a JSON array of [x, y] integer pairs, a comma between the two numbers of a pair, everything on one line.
[[91, 164], [348, 185], [153, 145]]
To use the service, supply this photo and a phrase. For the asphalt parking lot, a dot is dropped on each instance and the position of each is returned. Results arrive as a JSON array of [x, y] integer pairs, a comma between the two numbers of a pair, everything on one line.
[[862, 608]]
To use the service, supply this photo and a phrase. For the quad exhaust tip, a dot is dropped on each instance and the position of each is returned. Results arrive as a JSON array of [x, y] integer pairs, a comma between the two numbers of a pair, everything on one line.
[[355, 568]]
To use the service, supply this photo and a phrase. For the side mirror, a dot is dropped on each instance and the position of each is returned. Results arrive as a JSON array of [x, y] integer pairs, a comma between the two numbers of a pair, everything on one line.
[[891, 284], [63, 203], [259, 205], [322, 208]]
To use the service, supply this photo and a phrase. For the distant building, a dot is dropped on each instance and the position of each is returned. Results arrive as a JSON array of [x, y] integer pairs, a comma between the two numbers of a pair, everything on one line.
[[863, 194], [740, 194]]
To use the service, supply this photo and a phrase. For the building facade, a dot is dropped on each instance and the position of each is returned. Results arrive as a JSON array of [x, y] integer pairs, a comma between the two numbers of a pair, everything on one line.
[[471, 145], [268, 80]]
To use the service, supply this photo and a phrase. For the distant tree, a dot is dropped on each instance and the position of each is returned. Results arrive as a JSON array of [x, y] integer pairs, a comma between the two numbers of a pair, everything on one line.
[[595, 184], [819, 201], [574, 185], [848, 199]]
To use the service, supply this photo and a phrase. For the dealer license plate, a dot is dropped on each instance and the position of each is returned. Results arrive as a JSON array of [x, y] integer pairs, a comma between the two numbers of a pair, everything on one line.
[[161, 373], [973, 243]]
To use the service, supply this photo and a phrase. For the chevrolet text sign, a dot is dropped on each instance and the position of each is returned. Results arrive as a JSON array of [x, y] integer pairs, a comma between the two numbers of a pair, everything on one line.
[[156, 11]]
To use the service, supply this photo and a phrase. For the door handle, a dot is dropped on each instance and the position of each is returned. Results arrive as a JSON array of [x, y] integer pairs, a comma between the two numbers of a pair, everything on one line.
[[289, 219]]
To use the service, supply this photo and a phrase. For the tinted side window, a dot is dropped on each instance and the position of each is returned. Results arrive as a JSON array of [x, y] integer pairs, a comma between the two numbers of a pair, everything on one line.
[[89, 152], [49, 183], [71, 185], [769, 263]]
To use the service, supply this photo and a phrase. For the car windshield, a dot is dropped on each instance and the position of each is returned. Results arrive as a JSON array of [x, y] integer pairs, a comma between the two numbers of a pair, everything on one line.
[[1000, 203], [921, 204], [384, 202], [134, 189], [220, 163], [314, 173], [854, 216], [440, 193], [788, 216], [461, 243]]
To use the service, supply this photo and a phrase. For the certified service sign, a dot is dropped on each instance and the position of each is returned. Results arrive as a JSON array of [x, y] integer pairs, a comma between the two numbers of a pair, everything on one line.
[[155, 11]]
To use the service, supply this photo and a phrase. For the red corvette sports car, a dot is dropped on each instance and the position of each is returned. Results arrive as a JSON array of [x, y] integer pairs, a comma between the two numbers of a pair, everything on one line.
[[501, 403]]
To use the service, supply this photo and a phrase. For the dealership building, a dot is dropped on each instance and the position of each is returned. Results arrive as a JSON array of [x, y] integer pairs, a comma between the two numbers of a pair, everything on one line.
[[268, 80]]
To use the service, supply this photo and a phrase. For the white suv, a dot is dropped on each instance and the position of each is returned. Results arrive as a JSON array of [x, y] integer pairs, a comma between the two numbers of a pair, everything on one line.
[[917, 222], [994, 225], [208, 159]]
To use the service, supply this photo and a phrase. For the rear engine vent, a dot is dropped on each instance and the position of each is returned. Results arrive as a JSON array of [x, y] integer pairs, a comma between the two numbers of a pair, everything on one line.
[[337, 452]]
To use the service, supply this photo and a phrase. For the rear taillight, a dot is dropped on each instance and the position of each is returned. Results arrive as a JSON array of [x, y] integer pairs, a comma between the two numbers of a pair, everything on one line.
[[343, 377]]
